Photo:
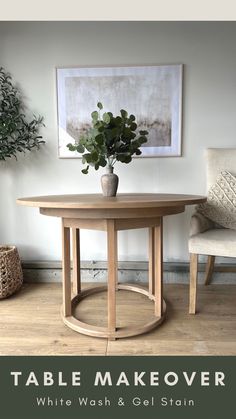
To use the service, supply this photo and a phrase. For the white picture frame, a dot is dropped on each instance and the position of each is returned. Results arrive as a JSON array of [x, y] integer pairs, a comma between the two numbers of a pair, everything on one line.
[[153, 93]]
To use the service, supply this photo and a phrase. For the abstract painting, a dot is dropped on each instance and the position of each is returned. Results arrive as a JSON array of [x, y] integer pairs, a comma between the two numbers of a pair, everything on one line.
[[152, 93]]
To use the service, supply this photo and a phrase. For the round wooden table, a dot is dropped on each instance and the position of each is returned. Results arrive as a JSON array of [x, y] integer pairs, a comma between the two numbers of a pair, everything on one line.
[[123, 212]]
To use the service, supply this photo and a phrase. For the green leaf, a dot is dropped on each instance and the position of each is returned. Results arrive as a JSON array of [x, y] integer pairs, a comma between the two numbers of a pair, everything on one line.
[[80, 148], [83, 140], [102, 161], [118, 121], [128, 159], [85, 171], [94, 156], [94, 115], [70, 146], [89, 146], [143, 132], [133, 126], [132, 118], [114, 132], [136, 144], [88, 157], [124, 113], [100, 105], [143, 139], [99, 139], [124, 158], [106, 118], [128, 134]]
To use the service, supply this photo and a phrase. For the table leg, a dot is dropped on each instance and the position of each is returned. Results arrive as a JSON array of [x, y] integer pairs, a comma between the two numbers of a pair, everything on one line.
[[112, 275], [76, 260], [158, 246], [66, 281], [151, 266]]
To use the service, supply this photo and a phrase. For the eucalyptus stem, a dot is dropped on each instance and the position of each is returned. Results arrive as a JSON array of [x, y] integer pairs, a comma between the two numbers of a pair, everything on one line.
[[110, 161]]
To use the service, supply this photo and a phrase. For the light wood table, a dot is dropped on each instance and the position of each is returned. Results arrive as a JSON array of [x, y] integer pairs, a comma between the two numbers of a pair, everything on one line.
[[123, 212]]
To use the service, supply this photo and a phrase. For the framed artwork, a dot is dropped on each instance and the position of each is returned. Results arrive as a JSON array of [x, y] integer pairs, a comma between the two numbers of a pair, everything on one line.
[[152, 93]]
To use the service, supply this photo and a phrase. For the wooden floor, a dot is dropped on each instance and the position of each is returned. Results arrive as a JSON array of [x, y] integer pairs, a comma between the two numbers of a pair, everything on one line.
[[30, 323]]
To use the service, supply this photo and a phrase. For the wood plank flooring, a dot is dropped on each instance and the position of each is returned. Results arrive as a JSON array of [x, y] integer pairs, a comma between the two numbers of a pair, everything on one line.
[[30, 323]]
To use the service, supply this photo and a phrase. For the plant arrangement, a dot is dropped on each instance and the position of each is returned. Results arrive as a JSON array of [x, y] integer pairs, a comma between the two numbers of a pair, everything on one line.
[[109, 139], [17, 133]]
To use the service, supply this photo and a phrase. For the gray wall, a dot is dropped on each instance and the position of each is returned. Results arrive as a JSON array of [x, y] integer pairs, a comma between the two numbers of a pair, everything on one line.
[[32, 50]]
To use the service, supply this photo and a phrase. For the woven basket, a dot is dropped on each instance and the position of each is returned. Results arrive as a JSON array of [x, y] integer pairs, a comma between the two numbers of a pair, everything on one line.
[[11, 276]]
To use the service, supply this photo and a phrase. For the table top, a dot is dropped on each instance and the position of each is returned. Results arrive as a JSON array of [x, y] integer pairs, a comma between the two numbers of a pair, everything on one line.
[[95, 201]]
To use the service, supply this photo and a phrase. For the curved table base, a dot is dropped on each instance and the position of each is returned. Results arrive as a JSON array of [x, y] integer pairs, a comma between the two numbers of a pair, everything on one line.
[[103, 332]]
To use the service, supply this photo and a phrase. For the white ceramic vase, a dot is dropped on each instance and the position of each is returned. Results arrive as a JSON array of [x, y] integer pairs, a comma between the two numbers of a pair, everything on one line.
[[109, 182]]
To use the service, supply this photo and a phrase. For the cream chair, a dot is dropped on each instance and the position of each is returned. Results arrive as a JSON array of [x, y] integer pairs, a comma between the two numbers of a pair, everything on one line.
[[207, 238]]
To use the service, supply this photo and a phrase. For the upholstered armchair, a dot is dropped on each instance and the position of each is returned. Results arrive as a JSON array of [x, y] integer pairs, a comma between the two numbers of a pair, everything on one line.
[[209, 237]]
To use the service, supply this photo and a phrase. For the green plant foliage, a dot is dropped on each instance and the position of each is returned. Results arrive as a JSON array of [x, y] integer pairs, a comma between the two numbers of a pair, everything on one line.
[[17, 134], [109, 139]]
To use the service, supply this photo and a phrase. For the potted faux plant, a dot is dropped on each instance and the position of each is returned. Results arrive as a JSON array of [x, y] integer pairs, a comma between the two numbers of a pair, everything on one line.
[[109, 139], [17, 134]]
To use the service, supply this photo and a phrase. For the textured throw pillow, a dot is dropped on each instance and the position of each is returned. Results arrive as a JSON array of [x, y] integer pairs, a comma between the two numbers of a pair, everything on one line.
[[221, 201]]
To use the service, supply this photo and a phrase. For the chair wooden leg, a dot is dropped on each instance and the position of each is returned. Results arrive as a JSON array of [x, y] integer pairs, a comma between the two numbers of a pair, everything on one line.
[[193, 283], [209, 269]]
